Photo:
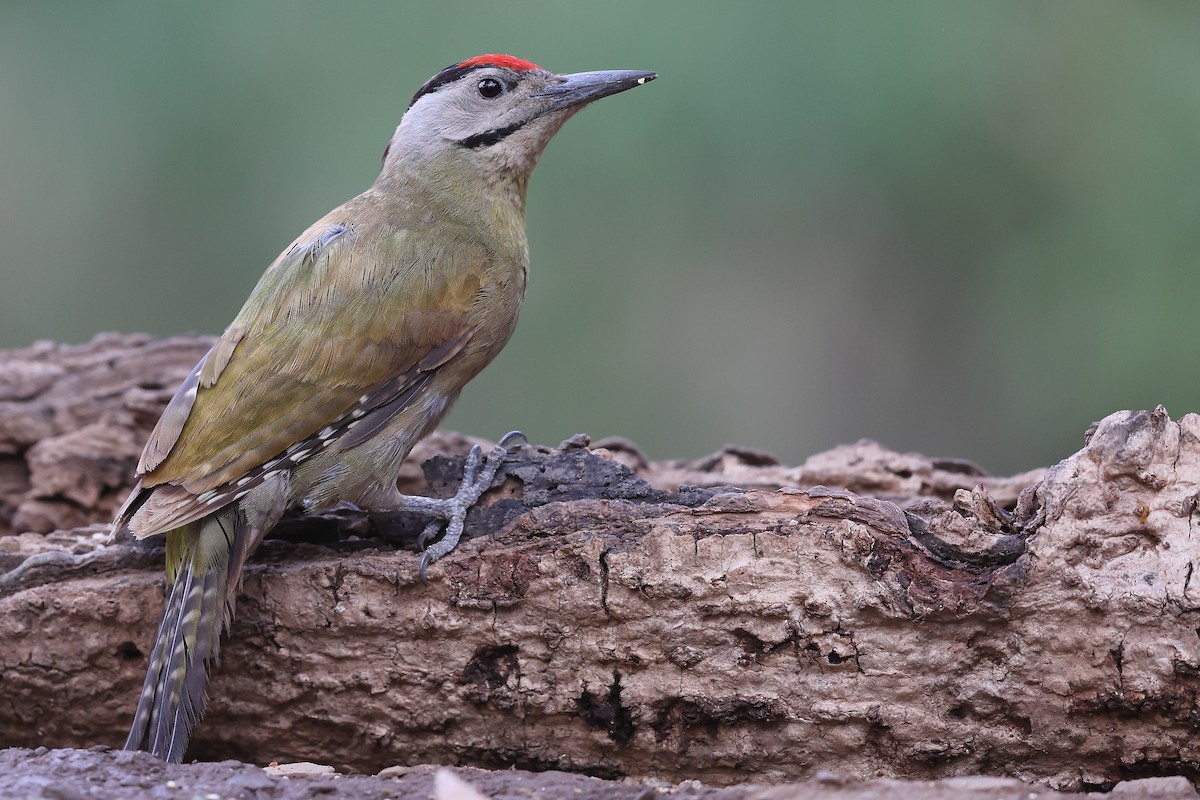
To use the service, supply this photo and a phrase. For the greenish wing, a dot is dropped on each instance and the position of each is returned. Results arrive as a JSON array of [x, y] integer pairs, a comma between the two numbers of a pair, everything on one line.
[[315, 343]]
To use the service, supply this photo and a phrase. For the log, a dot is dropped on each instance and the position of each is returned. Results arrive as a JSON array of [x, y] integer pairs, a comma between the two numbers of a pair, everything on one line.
[[869, 612]]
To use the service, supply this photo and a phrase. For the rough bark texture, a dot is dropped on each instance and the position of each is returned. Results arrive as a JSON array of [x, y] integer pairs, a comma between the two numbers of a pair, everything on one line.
[[869, 612]]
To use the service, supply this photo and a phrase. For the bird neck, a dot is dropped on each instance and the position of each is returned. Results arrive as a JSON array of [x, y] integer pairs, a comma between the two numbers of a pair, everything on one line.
[[490, 204], [461, 183]]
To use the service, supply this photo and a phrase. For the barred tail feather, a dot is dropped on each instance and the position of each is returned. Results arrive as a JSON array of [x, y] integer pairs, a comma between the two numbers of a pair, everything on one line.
[[204, 561], [139, 732]]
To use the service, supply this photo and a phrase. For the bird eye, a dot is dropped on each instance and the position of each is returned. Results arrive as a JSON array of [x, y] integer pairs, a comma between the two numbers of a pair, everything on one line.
[[490, 87]]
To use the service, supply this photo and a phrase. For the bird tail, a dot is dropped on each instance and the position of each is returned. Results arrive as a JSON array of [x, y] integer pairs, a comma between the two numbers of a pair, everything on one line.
[[204, 567]]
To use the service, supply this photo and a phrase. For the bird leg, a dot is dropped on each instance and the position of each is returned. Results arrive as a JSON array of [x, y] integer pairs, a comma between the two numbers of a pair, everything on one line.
[[478, 474]]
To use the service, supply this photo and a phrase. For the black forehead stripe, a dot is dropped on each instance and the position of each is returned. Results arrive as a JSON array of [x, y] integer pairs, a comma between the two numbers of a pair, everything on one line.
[[489, 138], [449, 75]]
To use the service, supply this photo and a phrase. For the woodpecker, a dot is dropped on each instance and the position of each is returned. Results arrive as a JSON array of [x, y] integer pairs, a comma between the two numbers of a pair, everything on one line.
[[351, 348]]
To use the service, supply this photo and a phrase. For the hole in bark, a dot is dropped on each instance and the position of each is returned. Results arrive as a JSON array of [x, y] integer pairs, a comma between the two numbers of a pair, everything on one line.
[[751, 646], [1101, 787], [1159, 768], [834, 658], [607, 712], [128, 651], [958, 712], [488, 672], [579, 569]]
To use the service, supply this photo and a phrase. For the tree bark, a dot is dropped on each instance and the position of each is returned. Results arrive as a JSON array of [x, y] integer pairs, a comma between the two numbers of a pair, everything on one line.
[[869, 612]]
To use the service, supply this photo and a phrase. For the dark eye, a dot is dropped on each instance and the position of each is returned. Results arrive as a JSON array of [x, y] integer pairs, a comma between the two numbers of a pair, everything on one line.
[[490, 87]]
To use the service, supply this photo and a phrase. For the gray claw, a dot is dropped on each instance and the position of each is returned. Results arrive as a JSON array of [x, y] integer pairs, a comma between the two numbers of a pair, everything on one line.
[[511, 437], [471, 467], [478, 474], [429, 534]]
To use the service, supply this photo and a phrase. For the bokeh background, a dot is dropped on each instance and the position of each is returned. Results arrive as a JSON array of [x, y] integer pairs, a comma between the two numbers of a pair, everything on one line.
[[963, 228]]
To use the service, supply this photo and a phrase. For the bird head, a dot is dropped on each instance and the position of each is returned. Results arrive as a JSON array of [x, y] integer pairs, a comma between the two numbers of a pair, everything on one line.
[[495, 114]]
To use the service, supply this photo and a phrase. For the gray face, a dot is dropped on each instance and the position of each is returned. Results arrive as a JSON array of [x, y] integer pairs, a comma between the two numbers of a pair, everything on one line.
[[482, 100], [499, 118]]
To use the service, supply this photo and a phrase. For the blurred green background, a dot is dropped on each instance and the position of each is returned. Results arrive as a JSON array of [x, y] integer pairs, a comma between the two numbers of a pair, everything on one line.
[[963, 228]]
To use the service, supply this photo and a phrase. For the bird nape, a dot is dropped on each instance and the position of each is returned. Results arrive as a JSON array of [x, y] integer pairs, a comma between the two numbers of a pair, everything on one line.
[[353, 345]]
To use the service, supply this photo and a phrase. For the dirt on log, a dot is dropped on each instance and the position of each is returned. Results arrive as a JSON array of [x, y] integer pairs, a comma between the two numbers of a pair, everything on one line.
[[731, 619]]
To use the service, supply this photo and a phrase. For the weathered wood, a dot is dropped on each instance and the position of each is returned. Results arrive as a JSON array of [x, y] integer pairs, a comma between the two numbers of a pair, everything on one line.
[[716, 620]]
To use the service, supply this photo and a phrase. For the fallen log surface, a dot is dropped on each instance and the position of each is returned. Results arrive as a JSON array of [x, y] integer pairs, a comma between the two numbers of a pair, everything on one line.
[[725, 620]]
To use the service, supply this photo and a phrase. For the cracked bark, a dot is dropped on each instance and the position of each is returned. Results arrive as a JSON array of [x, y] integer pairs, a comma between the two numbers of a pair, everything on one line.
[[868, 612]]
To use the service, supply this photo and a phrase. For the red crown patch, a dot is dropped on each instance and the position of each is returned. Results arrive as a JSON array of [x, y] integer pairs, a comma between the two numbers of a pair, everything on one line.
[[499, 60]]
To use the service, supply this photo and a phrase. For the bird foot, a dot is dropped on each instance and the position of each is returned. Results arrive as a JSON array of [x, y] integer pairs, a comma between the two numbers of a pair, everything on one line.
[[478, 474]]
